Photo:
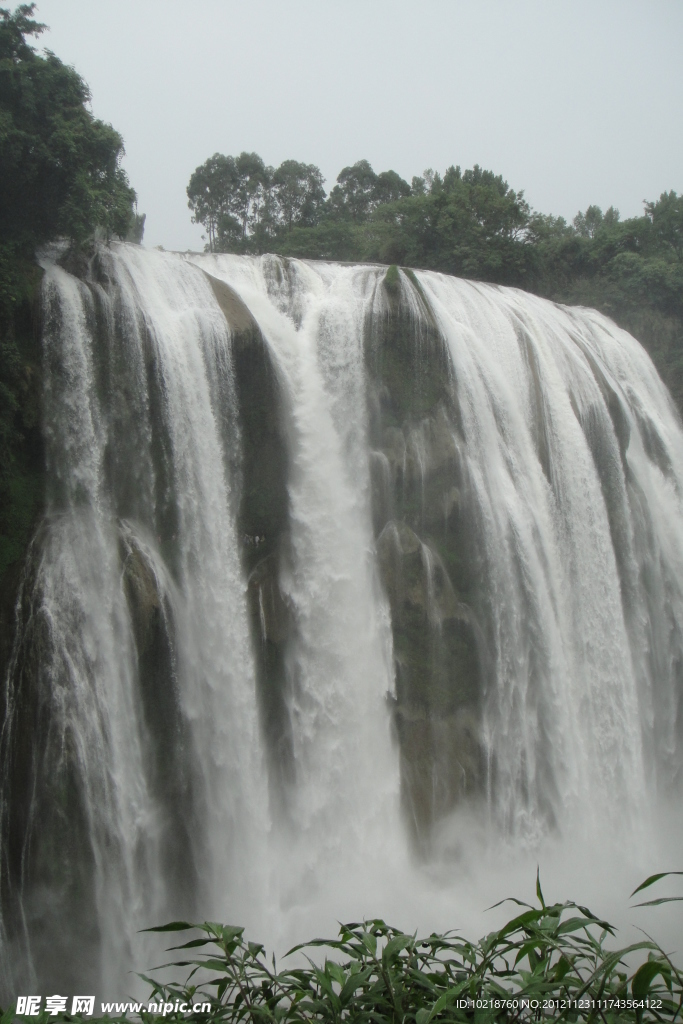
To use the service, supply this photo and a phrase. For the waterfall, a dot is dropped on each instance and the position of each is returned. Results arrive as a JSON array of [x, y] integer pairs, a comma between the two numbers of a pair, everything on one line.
[[330, 566], [345, 786]]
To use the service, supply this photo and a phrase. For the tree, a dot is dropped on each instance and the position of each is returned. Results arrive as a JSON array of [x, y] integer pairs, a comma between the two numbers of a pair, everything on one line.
[[389, 188], [354, 194], [251, 192], [666, 216], [232, 198], [60, 172], [299, 192], [359, 191], [209, 193]]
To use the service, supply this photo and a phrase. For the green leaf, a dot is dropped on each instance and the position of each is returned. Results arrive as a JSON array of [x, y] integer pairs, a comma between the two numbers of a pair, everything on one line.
[[562, 968], [657, 903], [353, 982], [173, 926], [395, 945], [539, 891], [651, 881], [510, 899], [522, 921], [644, 976], [369, 941], [527, 949], [191, 944], [449, 996], [572, 924], [335, 972]]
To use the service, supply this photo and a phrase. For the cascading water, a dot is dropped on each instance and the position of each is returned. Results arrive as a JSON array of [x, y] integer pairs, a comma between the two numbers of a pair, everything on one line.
[[557, 408], [330, 559], [346, 790]]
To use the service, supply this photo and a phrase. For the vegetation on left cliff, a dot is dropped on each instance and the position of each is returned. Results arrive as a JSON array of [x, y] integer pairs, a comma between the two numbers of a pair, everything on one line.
[[60, 177]]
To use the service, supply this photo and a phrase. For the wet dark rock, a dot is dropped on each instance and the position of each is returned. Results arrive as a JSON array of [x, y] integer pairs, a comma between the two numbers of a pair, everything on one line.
[[171, 770], [271, 627], [427, 556]]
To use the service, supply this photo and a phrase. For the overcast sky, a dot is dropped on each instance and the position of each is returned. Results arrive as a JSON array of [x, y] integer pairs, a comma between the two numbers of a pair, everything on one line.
[[574, 101]]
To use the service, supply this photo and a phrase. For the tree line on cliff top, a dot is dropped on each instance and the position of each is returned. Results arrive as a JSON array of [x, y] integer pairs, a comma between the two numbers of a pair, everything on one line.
[[470, 223]]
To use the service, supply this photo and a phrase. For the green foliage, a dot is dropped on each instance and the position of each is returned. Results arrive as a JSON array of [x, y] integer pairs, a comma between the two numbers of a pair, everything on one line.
[[551, 962], [359, 191], [468, 223], [246, 206], [241, 202], [329, 240], [392, 280], [60, 171], [666, 216], [352, 197], [299, 193]]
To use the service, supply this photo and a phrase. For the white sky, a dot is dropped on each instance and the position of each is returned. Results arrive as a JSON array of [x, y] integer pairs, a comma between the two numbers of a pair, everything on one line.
[[574, 101]]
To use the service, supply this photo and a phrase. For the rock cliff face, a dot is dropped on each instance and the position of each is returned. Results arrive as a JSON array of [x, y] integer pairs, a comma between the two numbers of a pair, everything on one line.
[[427, 554], [262, 520]]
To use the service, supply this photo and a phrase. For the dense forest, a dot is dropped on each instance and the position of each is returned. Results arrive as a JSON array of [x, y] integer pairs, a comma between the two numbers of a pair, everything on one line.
[[469, 223]]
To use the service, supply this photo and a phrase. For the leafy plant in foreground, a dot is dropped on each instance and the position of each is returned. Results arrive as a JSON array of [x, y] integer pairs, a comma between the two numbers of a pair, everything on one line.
[[547, 962]]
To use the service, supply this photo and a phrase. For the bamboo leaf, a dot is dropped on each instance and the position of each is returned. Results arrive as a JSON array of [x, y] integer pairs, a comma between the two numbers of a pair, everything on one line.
[[644, 977], [657, 903], [173, 926], [539, 892], [395, 945], [652, 879]]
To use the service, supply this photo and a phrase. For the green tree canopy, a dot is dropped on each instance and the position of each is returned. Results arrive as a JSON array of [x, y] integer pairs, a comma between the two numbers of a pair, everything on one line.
[[230, 197], [666, 216], [60, 172], [242, 203], [359, 191], [354, 194], [299, 193], [210, 191]]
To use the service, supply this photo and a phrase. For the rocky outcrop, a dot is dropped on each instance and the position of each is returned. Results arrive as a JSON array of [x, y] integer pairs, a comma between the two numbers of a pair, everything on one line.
[[148, 593], [263, 522], [264, 463], [271, 624], [438, 653], [427, 555]]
